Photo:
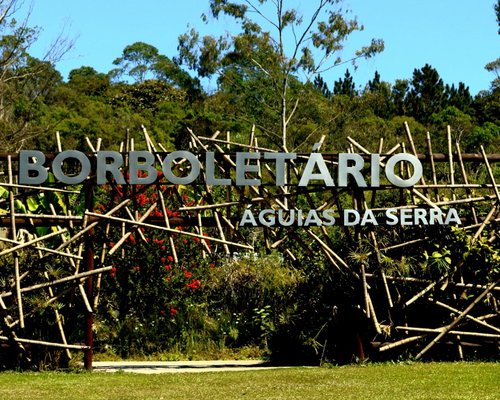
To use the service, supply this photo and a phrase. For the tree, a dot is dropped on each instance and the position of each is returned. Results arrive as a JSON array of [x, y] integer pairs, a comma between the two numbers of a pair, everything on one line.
[[458, 97], [345, 86], [322, 86], [280, 50], [141, 61], [426, 95], [24, 80]]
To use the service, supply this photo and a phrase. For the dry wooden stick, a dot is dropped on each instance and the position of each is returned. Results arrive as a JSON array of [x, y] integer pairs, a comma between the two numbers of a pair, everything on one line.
[[424, 291], [16, 256], [32, 242], [92, 225], [412, 146], [167, 224], [408, 243], [480, 322], [490, 173], [400, 342], [466, 180], [457, 320], [484, 223], [127, 234], [450, 159], [433, 166], [82, 275], [42, 188], [442, 332], [373, 316], [417, 280], [181, 232], [44, 249], [49, 344], [58, 319]]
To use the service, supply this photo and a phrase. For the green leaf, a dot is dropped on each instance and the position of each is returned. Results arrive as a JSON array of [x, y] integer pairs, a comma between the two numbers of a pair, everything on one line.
[[33, 204], [4, 193]]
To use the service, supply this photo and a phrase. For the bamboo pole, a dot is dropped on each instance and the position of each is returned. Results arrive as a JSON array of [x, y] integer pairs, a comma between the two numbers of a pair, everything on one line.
[[89, 227], [32, 242], [450, 159], [478, 321], [433, 166], [127, 234], [400, 343], [58, 320], [417, 280], [42, 188], [44, 249], [365, 290], [81, 275], [449, 327], [181, 232], [466, 180], [490, 173], [15, 255], [49, 344], [443, 331]]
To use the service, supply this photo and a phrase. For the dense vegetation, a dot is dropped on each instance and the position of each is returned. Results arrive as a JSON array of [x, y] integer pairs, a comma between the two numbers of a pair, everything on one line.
[[208, 305]]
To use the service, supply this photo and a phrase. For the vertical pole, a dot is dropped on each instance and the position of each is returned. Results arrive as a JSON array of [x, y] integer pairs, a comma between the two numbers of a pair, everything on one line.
[[88, 262]]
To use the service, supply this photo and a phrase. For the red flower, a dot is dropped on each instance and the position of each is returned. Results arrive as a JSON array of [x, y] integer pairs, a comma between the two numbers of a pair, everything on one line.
[[163, 260], [170, 258], [188, 274], [194, 284], [212, 265], [168, 267], [173, 311]]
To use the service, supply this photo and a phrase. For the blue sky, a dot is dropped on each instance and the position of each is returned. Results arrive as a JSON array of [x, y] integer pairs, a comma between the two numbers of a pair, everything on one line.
[[457, 37]]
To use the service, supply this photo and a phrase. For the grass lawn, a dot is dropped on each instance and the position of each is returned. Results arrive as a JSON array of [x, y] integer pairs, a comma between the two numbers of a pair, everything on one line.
[[376, 381]]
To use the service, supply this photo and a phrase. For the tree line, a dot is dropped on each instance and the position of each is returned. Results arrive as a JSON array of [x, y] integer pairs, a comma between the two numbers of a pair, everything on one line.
[[261, 82]]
